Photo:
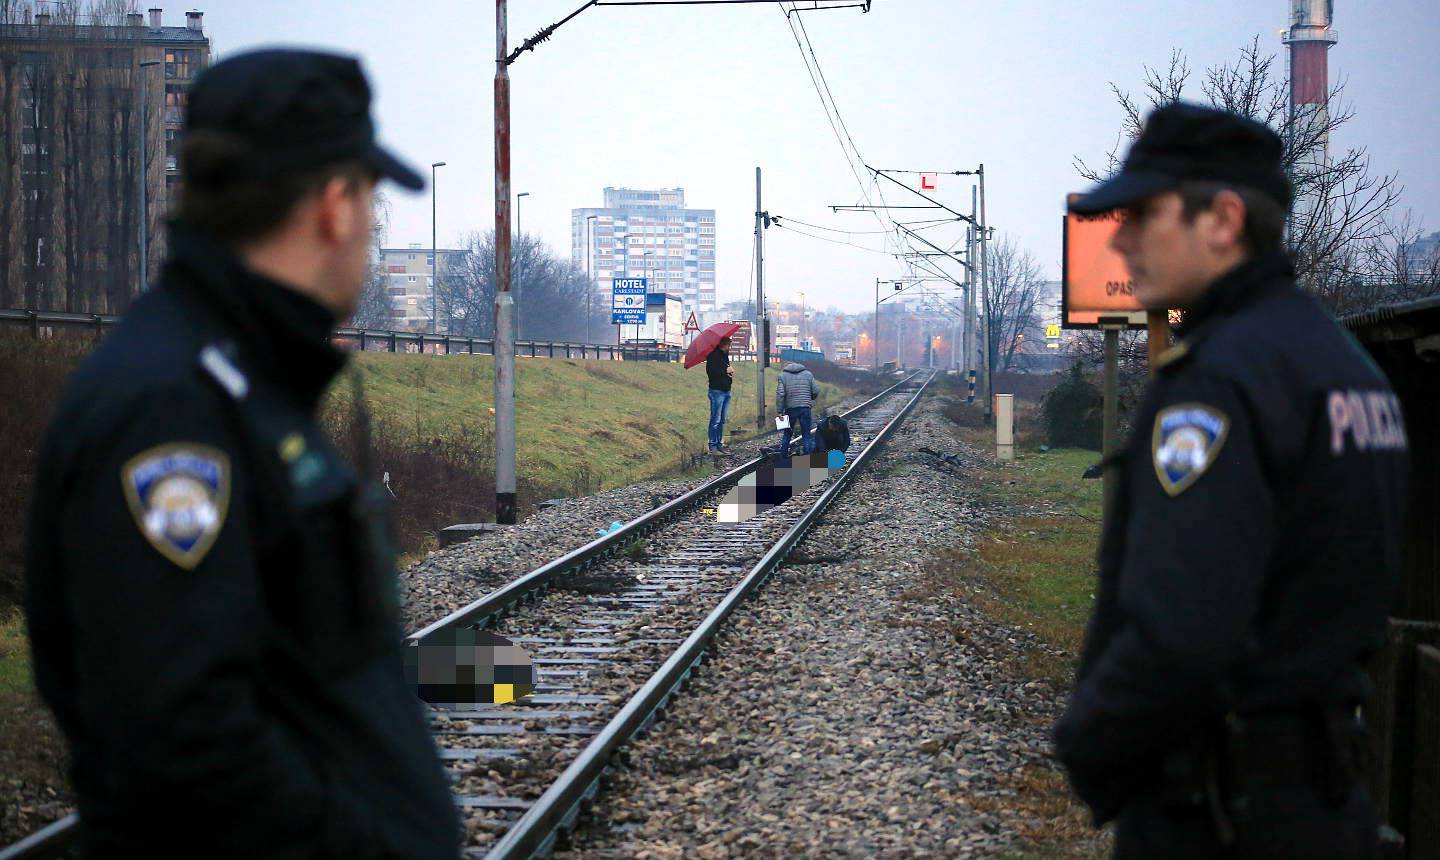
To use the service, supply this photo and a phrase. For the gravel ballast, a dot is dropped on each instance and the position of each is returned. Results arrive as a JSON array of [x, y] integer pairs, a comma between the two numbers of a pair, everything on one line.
[[850, 709]]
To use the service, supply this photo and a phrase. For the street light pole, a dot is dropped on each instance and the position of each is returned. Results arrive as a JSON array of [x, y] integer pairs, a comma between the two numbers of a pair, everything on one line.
[[434, 254], [504, 302], [875, 327], [144, 239], [589, 275], [519, 287]]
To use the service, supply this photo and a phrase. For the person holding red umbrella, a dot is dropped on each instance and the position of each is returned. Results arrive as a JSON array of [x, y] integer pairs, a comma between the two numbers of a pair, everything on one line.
[[712, 346], [721, 375]]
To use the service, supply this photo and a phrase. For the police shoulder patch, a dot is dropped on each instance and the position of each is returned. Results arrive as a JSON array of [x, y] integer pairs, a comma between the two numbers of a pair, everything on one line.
[[179, 494], [1187, 439]]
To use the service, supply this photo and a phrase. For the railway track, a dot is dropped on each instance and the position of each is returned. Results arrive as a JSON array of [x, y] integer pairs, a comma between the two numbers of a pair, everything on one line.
[[614, 632], [614, 629]]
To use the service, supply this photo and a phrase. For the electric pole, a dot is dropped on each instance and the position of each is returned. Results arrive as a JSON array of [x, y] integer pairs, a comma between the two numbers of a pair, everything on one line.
[[762, 348], [504, 302], [970, 298], [985, 303]]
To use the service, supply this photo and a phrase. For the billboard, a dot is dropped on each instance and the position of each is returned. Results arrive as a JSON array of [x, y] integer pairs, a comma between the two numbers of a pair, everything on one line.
[[628, 300], [1095, 282], [740, 340]]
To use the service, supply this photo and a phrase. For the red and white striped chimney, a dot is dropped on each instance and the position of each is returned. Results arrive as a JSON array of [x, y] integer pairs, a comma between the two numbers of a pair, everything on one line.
[[1310, 37]]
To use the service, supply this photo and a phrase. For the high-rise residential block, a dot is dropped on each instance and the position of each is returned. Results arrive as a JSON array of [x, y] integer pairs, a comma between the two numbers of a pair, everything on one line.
[[649, 234]]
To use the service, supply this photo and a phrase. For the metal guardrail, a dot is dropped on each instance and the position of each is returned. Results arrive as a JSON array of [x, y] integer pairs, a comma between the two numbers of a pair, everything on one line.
[[382, 340], [536, 831]]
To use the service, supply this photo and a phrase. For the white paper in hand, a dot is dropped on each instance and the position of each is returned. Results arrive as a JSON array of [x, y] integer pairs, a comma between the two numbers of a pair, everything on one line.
[[782, 422]]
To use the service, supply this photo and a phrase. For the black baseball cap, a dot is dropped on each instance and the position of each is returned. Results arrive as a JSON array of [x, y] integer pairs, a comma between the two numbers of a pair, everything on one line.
[[294, 111], [1183, 142]]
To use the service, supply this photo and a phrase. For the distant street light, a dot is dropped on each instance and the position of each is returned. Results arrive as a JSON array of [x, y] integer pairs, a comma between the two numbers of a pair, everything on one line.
[[519, 233], [589, 276], [434, 255], [519, 230]]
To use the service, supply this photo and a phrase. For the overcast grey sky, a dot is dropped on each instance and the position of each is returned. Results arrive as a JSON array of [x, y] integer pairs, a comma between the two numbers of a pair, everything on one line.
[[698, 96]]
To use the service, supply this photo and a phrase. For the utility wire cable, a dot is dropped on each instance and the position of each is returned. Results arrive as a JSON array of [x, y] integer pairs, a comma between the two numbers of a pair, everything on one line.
[[925, 225], [874, 183], [824, 103], [776, 223]]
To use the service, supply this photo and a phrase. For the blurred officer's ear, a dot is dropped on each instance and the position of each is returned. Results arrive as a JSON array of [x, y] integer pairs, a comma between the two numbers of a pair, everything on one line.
[[345, 207], [1234, 215], [220, 196]]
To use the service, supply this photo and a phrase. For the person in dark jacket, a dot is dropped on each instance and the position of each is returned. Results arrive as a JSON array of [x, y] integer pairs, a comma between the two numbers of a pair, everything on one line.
[[832, 434], [795, 393], [721, 376], [1253, 546], [210, 587]]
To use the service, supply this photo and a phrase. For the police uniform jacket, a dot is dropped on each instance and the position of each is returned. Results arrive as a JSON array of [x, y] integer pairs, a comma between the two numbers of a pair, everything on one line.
[[1254, 544], [211, 593]]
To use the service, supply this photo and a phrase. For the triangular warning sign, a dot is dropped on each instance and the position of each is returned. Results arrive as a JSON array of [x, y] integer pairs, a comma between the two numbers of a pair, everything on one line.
[[692, 324]]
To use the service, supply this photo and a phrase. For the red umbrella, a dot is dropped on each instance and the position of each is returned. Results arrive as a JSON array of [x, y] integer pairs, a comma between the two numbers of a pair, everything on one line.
[[706, 341]]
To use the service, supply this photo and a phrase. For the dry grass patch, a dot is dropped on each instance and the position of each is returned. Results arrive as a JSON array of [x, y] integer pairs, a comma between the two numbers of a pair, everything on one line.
[[1049, 823], [32, 754]]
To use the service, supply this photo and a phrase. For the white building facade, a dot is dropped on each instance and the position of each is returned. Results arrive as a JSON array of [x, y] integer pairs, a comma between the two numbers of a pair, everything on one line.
[[407, 282], [649, 234]]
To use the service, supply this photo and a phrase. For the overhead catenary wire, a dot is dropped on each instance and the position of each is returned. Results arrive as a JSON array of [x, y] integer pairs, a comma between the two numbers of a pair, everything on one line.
[[896, 235], [853, 158], [921, 225], [783, 226]]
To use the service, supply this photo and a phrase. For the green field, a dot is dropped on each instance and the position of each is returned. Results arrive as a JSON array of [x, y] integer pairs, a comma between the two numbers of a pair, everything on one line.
[[620, 421], [1043, 559], [14, 657]]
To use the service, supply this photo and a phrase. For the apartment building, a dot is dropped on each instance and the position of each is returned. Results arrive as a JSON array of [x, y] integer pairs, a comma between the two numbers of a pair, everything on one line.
[[84, 87], [407, 276], [649, 234]]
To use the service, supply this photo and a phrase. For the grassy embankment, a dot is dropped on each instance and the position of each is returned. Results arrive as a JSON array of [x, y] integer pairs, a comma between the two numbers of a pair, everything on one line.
[[582, 427], [623, 421], [1035, 569]]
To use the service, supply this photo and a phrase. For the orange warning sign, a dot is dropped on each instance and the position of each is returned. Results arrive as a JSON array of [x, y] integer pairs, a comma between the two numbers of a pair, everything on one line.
[[1095, 282]]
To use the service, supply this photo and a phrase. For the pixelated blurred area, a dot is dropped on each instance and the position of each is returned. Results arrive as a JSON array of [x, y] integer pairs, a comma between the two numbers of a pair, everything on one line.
[[774, 483], [461, 668]]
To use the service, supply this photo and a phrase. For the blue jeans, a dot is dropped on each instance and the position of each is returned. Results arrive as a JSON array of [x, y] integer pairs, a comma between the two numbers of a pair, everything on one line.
[[799, 417], [719, 402]]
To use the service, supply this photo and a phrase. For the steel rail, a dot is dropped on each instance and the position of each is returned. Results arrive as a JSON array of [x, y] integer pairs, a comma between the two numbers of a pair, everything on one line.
[[534, 834], [51, 840], [514, 592]]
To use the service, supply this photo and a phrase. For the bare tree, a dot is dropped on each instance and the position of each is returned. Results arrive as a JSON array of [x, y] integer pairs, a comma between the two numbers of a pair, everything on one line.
[[1015, 289], [1341, 211], [552, 295]]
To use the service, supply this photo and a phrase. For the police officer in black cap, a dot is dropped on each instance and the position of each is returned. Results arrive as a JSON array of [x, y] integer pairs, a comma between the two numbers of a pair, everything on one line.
[[210, 588], [1254, 544]]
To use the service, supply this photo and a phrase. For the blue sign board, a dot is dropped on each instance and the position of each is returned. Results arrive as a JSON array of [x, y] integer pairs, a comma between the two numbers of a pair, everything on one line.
[[628, 302]]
